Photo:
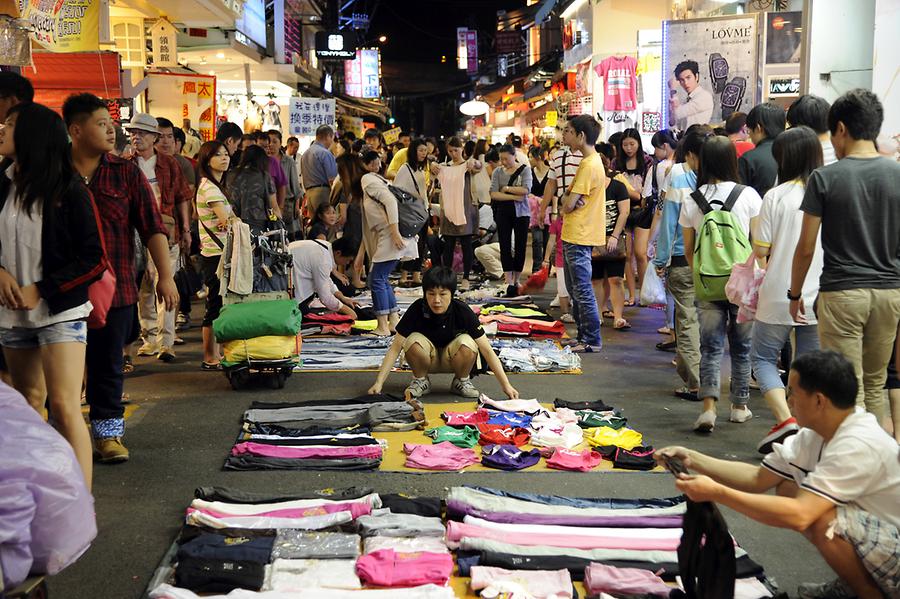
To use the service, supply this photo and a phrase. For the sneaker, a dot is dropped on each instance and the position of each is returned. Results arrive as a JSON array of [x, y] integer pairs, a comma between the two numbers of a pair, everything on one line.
[[178, 341], [182, 322], [740, 414], [778, 434], [567, 318], [706, 422], [418, 387], [110, 451], [687, 394], [555, 303], [166, 354], [511, 291], [147, 349], [836, 589], [463, 387]]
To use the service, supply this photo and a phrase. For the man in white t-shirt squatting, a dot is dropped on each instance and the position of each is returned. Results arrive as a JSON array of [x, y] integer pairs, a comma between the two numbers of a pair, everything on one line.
[[837, 481]]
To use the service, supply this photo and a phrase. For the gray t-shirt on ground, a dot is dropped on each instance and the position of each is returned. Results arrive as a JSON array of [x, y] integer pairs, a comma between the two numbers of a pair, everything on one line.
[[858, 200]]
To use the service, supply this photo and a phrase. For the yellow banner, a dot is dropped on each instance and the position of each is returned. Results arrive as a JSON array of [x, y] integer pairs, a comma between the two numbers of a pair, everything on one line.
[[552, 118], [64, 25], [392, 136]]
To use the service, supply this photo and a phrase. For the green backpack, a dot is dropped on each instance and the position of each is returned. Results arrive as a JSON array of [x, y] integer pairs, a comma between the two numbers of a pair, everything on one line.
[[719, 245]]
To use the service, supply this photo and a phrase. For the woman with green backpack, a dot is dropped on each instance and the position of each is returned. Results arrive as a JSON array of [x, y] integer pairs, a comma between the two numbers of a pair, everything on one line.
[[717, 219]]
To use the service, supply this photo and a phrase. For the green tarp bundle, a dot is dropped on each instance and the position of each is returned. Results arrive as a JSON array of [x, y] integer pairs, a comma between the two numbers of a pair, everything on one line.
[[257, 319]]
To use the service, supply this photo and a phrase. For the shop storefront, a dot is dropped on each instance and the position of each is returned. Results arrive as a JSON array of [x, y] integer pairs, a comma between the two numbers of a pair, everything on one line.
[[184, 96], [55, 76]]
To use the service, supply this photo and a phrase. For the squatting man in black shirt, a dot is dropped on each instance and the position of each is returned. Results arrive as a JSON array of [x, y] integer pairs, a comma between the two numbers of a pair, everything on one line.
[[441, 334], [837, 481]]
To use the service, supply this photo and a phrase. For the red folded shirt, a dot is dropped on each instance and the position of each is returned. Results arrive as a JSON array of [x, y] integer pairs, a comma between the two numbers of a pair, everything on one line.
[[497, 434], [387, 568]]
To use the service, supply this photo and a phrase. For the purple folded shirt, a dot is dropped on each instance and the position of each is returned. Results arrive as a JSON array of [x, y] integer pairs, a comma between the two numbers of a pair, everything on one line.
[[456, 508], [300, 452]]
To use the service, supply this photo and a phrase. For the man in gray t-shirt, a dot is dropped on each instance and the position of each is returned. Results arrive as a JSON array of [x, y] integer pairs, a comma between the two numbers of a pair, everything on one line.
[[856, 203]]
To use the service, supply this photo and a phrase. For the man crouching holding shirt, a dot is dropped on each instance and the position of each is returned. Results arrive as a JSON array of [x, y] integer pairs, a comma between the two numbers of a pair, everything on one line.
[[837, 481], [441, 334]]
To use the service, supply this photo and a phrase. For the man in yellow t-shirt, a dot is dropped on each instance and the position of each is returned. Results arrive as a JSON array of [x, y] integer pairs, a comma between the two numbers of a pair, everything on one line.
[[584, 227]]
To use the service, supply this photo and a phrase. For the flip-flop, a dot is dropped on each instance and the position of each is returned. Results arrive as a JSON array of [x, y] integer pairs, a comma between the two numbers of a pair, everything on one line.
[[664, 331], [622, 324], [630, 304], [208, 366], [666, 346], [608, 314]]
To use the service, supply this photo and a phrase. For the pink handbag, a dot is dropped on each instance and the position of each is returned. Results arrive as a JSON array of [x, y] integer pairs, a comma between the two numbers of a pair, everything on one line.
[[743, 286], [101, 294]]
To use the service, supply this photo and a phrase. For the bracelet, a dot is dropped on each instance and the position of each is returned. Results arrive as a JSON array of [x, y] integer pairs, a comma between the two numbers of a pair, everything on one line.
[[616, 237]]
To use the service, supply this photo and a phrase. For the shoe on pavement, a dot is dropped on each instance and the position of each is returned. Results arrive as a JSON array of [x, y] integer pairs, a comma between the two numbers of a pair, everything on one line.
[[110, 451], [555, 303], [739, 415], [706, 422], [418, 387], [778, 434], [687, 394], [567, 318], [836, 589], [147, 349], [166, 354], [463, 387]]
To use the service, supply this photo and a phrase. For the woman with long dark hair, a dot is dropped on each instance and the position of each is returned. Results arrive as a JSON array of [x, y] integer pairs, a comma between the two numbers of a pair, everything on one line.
[[510, 186], [252, 189], [413, 179], [458, 199], [50, 252], [215, 213], [716, 180], [633, 162], [348, 194], [798, 153]]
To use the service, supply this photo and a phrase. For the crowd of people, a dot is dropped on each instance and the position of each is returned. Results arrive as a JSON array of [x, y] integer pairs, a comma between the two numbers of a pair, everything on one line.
[[804, 194]]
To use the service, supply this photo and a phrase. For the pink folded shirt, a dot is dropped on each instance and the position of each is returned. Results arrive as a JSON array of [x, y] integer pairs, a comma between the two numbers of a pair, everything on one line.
[[539, 584], [480, 416], [285, 451], [440, 456], [458, 530], [567, 459], [599, 578], [355, 509], [387, 568]]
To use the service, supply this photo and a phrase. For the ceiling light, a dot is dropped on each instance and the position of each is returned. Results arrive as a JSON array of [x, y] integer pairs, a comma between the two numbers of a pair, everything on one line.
[[474, 108]]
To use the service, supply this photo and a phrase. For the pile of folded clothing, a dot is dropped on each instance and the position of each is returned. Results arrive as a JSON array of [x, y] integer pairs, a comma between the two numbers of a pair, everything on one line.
[[518, 320], [344, 353], [318, 544], [619, 546], [535, 355], [320, 435]]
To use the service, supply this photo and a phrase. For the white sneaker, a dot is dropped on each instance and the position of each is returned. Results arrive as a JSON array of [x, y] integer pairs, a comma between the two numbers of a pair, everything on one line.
[[740, 415], [148, 349], [555, 302], [463, 387], [567, 318], [418, 387], [706, 422]]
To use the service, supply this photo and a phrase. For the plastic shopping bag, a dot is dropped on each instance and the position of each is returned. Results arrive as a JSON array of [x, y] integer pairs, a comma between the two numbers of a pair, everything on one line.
[[652, 289], [743, 286]]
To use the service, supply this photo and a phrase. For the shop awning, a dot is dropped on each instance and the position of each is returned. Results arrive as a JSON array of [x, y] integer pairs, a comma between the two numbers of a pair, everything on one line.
[[56, 76], [362, 107], [544, 11]]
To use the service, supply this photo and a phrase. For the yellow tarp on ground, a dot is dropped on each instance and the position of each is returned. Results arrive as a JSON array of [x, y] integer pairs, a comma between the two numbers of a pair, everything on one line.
[[394, 458]]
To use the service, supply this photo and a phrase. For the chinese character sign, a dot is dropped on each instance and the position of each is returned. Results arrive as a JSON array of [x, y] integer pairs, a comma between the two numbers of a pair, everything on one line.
[[165, 46], [308, 114], [391, 136], [362, 76], [184, 96], [63, 25]]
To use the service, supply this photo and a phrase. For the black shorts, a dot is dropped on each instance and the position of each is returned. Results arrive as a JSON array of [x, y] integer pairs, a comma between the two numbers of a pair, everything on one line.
[[641, 219], [601, 269]]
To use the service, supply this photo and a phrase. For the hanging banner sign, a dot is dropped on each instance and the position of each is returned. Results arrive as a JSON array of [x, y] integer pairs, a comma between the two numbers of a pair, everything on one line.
[[392, 136], [354, 125], [509, 42], [552, 118], [462, 61], [165, 45], [308, 114], [63, 25], [362, 76], [471, 52], [178, 97]]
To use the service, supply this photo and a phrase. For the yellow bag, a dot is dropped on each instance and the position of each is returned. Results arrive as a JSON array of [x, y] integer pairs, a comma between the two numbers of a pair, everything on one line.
[[270, 347]]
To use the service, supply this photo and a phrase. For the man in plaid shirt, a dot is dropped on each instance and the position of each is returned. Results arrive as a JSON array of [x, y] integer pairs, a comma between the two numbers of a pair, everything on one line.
[[173, 196], [125, 202]]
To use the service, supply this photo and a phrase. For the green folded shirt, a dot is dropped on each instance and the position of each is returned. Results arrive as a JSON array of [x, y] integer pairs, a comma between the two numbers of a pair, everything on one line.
[[465, 437]]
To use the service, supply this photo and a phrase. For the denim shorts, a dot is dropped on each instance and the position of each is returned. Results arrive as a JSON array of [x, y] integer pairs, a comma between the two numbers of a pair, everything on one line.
[[73, 331]]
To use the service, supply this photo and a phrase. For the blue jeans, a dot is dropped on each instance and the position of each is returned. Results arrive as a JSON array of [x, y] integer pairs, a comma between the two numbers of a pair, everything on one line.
[[718, 320], [768, 339], [584, 303], [383, 300]]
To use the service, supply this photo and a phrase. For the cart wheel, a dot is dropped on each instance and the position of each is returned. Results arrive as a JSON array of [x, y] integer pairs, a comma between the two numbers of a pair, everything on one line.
[[276, 380], [238, 379], [39, 592]]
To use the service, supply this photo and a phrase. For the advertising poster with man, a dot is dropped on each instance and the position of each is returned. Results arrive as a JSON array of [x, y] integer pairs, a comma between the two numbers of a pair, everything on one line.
[[710, 69]]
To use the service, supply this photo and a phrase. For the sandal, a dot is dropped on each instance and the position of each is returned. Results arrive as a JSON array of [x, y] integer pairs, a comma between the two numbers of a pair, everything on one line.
[[687, 394], [583, 348], [608, 314], [666, 346], [630, 303], [622, 324], [664, 331], [209, 366]]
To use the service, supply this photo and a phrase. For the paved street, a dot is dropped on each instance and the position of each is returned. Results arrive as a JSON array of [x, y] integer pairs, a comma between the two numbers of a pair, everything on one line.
[[185, 420]]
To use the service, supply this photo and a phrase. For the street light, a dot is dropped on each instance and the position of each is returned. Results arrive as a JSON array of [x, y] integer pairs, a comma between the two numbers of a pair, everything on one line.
[[382, 38]]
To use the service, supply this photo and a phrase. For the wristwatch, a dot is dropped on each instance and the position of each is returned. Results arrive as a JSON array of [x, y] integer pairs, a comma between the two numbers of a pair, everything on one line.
[[732, 96], [794, 298], [718, 71]]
